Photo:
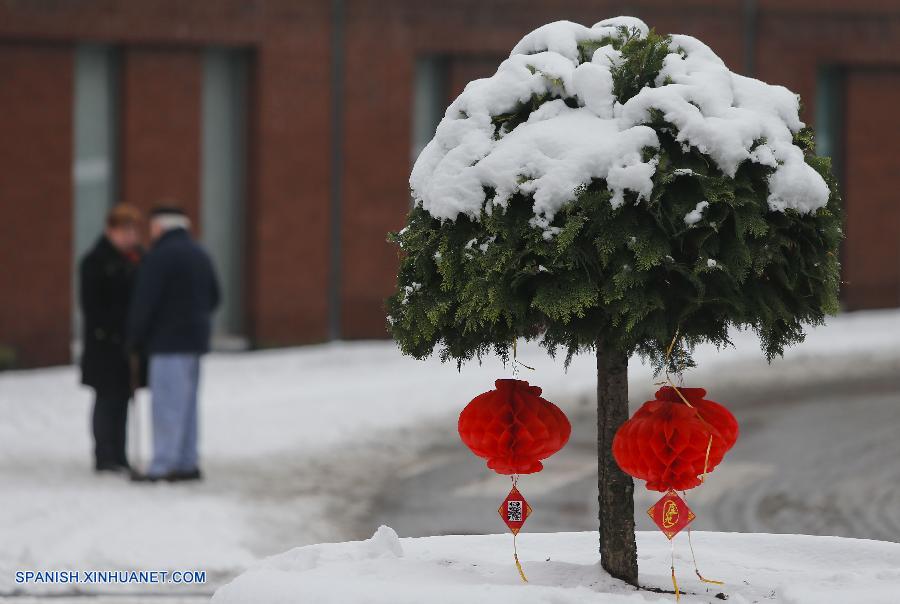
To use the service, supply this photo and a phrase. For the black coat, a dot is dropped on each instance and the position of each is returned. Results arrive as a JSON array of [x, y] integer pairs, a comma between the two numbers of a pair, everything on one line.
[[106, 281], [174, 298]]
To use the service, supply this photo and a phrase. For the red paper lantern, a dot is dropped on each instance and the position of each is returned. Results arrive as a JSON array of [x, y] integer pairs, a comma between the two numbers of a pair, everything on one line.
[[711, 411], [665, 442], [513, 427]]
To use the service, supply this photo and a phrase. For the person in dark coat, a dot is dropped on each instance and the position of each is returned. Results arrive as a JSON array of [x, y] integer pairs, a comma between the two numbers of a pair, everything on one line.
[[171, 317], [107, 275]]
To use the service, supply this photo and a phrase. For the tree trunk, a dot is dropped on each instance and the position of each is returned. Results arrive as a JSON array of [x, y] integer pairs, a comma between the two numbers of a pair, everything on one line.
[[618, 550]]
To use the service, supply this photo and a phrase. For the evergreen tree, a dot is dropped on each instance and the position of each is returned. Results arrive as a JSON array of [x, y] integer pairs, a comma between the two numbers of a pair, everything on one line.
[[608, 188]]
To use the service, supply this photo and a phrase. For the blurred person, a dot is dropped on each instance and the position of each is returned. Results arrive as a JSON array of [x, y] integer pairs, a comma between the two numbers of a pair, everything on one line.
[[171, 317], [107, 275]]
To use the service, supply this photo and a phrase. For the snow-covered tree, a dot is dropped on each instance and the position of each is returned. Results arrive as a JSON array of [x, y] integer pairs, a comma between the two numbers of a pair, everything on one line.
[[608, 188]]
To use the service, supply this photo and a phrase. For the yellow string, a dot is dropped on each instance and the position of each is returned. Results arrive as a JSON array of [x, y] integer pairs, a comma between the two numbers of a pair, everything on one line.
[[515, 481], [686, 402], [697, 570], [702, 477], [516, 362], [694, 557], [518, 564], [515, 367]]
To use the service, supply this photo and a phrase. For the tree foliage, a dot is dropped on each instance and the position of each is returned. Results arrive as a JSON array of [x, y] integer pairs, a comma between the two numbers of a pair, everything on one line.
[[632, 275]]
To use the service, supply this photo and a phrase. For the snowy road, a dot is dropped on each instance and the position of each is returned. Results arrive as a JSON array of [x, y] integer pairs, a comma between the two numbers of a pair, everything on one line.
[[821, 460]]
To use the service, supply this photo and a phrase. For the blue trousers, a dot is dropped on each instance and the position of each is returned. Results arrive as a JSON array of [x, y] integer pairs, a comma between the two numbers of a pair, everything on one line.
[[173, 384]]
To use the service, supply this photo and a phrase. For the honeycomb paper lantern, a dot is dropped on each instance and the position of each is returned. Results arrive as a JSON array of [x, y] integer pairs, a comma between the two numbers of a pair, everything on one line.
[[513, 428], [665, 442]]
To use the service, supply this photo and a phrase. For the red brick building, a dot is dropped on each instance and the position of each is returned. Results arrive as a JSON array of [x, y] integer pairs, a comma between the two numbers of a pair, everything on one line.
[[288, 127]]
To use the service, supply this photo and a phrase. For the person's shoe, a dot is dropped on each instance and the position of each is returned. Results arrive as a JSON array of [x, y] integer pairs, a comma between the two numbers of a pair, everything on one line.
[[111, 468], [184, 475], [141, 477]]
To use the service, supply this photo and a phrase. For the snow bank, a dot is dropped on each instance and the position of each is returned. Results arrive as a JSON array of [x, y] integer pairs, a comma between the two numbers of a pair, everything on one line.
[[562, 568], [560, 148]]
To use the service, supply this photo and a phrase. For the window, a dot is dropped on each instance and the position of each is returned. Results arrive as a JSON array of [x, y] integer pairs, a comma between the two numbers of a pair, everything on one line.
[[223, 181], [429, 100], [829, 116], [95, 118]]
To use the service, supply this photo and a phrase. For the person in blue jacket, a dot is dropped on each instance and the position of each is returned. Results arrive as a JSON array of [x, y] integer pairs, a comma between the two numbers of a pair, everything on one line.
[[171, 319]]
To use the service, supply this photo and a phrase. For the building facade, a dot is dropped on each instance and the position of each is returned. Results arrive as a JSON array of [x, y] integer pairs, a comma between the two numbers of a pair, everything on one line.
[[287, 129]]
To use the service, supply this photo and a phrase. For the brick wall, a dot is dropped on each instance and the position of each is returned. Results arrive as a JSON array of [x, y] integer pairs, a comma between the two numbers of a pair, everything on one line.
[[792, 48], [379, 77], [288, 207], [160, 127], [36, 201], [872, 188], [289, 143]]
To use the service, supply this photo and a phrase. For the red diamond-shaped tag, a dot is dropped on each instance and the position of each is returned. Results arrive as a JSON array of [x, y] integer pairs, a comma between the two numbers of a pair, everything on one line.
[[671, 514], [514, 510]]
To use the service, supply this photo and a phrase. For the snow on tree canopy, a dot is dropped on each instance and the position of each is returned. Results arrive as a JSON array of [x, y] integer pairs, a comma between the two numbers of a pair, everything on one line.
[[612, 184], [582, 131]]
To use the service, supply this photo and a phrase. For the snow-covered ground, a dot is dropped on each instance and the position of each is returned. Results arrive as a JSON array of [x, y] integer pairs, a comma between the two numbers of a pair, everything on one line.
[[294, 443], [562, 568]]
